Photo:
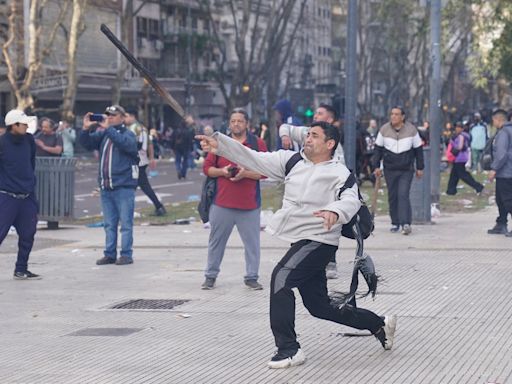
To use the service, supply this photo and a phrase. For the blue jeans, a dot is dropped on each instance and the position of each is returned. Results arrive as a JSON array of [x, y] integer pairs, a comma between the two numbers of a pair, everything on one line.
[[118, 205], [182, 159]]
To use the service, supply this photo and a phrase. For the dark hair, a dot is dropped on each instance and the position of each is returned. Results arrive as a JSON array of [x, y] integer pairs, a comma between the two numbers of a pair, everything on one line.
[[330, 132], [132, 111], [329, 109], [500, 112], [242, 111], [402, 110], [50, 121]]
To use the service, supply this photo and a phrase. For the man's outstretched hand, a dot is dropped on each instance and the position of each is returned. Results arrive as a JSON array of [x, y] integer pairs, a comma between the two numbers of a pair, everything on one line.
[[208, 143]]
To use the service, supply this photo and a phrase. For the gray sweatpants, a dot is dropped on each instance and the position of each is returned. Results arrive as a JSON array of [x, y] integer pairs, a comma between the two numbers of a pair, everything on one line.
[[222, 221]]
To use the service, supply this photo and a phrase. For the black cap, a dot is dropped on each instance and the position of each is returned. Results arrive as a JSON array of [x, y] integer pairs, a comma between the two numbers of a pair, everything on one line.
[[132, 111]]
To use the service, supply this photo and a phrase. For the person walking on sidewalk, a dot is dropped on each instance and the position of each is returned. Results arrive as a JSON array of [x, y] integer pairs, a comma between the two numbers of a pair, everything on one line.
[[18, 204], [399, 145], [460, 149], [118, 175], [479, 137], [315, 206], [237, 202], [146, 156], [501, 170], [293, 133], [182, 142]]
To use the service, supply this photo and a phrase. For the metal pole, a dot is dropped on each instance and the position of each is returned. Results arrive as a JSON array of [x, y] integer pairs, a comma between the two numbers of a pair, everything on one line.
[[189, 59], [351, 86], [435, 100]]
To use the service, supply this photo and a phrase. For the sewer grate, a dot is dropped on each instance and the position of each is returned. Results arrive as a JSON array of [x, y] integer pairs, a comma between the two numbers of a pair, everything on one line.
[[144, 304], [105, 332]]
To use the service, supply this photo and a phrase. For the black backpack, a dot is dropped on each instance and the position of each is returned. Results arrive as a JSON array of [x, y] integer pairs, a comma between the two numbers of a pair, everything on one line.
[[362, 223], [486, 158]]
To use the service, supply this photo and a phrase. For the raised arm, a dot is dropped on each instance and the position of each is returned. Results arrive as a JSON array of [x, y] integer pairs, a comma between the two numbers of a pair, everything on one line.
[[270, 164], [290, 133]]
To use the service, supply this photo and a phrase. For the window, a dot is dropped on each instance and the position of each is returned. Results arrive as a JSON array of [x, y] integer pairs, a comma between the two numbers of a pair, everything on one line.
[[148, 28], [142, 26]]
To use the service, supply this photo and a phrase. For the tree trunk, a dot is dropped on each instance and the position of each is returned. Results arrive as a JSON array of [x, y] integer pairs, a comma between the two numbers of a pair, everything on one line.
[[35, 55], [68, 103], [126, 22]]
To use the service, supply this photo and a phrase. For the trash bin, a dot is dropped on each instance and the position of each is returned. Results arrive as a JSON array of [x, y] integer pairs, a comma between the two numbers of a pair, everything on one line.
[[55, 189], [420, 193]]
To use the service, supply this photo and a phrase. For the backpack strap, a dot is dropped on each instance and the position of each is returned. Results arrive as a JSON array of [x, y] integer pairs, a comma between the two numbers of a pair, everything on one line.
[[349, 183], [252, 140], [291, 162]]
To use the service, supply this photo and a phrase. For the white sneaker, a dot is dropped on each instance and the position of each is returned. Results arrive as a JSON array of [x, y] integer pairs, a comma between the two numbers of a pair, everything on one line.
[[386, 335], [279, 361], [331, 271]]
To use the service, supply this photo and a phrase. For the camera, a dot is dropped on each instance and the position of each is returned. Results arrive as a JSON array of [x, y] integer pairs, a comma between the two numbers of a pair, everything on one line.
[[96, 117]]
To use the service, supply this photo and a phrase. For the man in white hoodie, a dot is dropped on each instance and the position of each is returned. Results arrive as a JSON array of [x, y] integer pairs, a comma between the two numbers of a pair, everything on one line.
[[315, 206], [297, 134]]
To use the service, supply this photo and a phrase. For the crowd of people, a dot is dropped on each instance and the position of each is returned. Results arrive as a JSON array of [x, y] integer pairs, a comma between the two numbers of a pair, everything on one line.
[[316, 201]]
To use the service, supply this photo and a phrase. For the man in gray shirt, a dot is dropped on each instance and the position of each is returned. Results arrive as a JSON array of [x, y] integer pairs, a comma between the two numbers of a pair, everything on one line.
[[501, 170]]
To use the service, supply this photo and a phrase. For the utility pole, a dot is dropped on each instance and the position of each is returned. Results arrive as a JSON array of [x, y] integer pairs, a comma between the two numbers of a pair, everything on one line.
[[351, 86], [435, 100], [188, 93]]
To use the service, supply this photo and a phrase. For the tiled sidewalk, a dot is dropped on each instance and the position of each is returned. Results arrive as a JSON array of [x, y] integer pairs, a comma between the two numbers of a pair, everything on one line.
[[449, 284]]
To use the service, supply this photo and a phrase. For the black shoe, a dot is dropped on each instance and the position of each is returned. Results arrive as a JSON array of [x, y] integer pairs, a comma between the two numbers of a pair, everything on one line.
[[394, 229], [508, 234], [160, 211], [498, 229], [26, 276], [279, 361], [254, 285], [105, 260], [209, 283], [123, 260]]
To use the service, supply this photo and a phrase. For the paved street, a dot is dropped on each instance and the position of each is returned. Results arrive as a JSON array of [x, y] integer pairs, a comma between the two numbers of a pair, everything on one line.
[[449, 283]]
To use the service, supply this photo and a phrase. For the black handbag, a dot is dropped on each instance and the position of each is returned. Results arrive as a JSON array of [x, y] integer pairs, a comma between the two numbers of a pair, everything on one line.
[[207, 196], [455, 151]]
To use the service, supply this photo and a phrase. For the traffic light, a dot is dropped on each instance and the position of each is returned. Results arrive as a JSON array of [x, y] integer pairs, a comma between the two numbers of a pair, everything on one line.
[[309, 112]]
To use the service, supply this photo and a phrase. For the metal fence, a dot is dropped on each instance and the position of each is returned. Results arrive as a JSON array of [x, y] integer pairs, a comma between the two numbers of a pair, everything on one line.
[[55, 189]]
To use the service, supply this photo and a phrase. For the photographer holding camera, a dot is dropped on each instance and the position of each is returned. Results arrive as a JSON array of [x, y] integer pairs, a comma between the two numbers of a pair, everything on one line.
[[237, 202], [118, 175]]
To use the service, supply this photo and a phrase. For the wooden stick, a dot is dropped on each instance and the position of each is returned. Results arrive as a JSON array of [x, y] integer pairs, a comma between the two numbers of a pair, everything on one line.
[[143, 71]]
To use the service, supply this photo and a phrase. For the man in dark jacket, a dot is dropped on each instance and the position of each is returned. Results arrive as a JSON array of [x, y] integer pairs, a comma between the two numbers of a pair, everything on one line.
[[118, 175], [182, 140], [18, 204], [501, 170], [399, 145]]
